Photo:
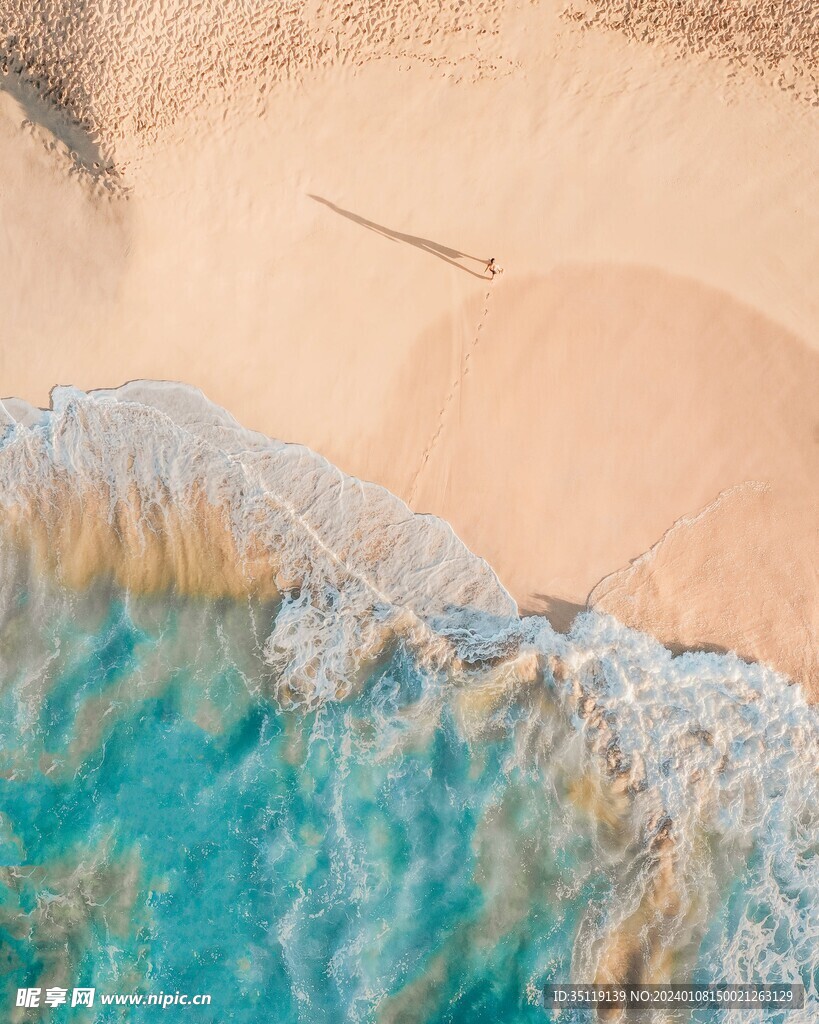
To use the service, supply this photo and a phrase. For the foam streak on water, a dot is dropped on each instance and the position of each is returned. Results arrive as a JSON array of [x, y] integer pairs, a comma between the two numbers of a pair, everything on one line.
[[268, 735]]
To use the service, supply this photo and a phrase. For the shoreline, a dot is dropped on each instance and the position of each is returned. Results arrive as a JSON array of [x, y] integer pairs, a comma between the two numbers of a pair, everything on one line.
[[167, 520], [651, 344]]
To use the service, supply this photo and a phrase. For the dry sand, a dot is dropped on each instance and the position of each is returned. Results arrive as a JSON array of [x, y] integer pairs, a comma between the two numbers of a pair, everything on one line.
[[300, 234]]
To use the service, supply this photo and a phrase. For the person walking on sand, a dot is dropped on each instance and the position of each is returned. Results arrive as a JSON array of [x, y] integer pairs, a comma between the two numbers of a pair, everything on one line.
[[493, 268]]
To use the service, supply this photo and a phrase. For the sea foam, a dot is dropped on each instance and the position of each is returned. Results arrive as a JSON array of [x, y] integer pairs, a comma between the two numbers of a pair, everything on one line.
[[695, 775], [157, 487]]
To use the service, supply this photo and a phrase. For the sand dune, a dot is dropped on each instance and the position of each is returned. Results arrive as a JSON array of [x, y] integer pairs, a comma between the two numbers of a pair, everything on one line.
[[125, 72], [777, 41], [296, 214]]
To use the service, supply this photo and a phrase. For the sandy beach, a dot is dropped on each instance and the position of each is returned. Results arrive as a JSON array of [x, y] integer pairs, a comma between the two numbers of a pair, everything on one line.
[[627, 412], [409, 490]]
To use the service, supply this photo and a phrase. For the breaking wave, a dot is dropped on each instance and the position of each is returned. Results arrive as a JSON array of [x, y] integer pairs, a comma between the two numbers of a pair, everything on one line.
[[267, 732]]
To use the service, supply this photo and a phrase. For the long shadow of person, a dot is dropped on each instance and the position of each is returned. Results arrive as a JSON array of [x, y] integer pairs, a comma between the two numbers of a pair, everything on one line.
[[443, 252]]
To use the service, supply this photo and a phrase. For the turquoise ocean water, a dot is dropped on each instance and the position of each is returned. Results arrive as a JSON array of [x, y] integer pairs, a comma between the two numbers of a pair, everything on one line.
[[431, 843]]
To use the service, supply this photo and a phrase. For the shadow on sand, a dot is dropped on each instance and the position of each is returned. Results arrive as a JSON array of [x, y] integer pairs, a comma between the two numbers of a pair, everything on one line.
[[47, 114], [443, 252], [560, 613]]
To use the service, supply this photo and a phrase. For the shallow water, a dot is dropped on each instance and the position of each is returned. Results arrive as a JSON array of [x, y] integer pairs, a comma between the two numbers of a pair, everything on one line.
[[315, 808]]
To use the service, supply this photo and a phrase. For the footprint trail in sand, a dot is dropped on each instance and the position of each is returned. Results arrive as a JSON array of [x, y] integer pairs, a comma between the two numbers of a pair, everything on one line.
[[453, 392]]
